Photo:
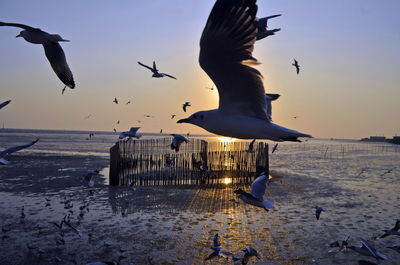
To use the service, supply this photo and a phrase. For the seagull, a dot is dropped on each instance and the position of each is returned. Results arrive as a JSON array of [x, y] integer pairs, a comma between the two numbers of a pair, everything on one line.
[[392, 232], [296, 64], [226, 47], [387, 172], [211, 88], [155, 71], [219, 252], [131, 133], [88, 116], [5, 103], [367, 249], [341, 245], [395, 248], [251, 147], [248, 253], [115, 130], [13, 150], [89, 178], [161, 131], [274, 148], [256, 196], [185, 105], [262, 31], [115, 100], [129, 102], [173, 116], [177, 141], [52, 49], [318, 211], [148, 116]]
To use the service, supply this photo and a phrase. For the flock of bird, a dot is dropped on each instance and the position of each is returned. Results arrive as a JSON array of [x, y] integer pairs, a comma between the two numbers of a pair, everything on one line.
[[244, 111]]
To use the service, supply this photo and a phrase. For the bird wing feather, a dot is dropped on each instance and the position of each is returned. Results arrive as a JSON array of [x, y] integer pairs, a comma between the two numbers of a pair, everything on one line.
[[58, 62], [259, 186], [226, 47]]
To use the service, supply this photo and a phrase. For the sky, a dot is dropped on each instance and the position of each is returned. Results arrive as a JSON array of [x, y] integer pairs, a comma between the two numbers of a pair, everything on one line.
[[348, 87]]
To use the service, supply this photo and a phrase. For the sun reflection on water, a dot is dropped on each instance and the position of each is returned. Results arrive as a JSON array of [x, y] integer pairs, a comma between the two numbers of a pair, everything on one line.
[[227, 181]]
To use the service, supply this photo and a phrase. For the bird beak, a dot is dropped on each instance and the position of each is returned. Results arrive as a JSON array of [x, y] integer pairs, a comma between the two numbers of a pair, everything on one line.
[[19, 35], [183, 121]]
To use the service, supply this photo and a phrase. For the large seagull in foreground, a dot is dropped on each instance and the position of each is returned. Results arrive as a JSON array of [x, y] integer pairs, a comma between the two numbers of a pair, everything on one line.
[[226, 47], [52, 49]]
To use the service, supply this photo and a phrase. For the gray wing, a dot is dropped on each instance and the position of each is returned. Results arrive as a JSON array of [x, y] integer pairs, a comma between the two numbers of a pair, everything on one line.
[[226, 47], [58, 62], [268, 106], [22, 26], [5, 103], [148, 67], [368, 246], [259, 186], [17, 148]]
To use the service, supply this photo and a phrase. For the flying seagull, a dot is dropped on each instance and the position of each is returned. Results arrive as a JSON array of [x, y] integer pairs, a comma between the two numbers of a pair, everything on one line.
[[367, 249], [296, 64], [13, 150], [251, 147], [115, 100], [185, 105], [256, 196], [274, 148], [392, 232], [318, 211], [262, 31], [5, 103], [52, 49], [177, 141], [129, 102], [248, 253], [219, 252], [226, 47], [173, 116], [131, 133], [155, 71]]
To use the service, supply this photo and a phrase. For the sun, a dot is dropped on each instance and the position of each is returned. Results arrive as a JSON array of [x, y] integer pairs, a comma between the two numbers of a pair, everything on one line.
[[227, 181], [226, 139]]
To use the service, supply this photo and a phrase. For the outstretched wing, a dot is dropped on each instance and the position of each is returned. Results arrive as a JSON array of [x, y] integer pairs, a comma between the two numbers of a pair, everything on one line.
[[169, 75], [58, 62], [22, 26], [148, 67], [134, 130], [259, 186], [5, 103], [226, 47], [17, 148]]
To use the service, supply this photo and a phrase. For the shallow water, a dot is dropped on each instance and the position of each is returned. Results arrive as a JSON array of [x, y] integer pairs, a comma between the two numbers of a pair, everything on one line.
[[175, 225]]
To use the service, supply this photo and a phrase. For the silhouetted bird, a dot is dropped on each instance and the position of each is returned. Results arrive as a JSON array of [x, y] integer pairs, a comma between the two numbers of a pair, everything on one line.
[[185, 105], [52, 49], [155, 71], [262, 31], [226, 47], [173, 116], [219, 252], [296, 64], [115, 100]]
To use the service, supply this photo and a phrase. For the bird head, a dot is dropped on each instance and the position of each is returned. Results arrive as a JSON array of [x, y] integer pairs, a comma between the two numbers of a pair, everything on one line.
[[196, 118]]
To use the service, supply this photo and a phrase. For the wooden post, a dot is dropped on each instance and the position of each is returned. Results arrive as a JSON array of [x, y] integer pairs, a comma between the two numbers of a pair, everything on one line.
[[114, 165]]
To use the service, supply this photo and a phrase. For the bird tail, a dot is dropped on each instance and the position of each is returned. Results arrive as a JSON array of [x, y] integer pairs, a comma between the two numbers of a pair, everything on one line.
[[269, 204], [4, 162]]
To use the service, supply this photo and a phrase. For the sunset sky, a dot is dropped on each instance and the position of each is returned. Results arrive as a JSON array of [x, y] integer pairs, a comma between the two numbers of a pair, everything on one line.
[[348, 87]]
